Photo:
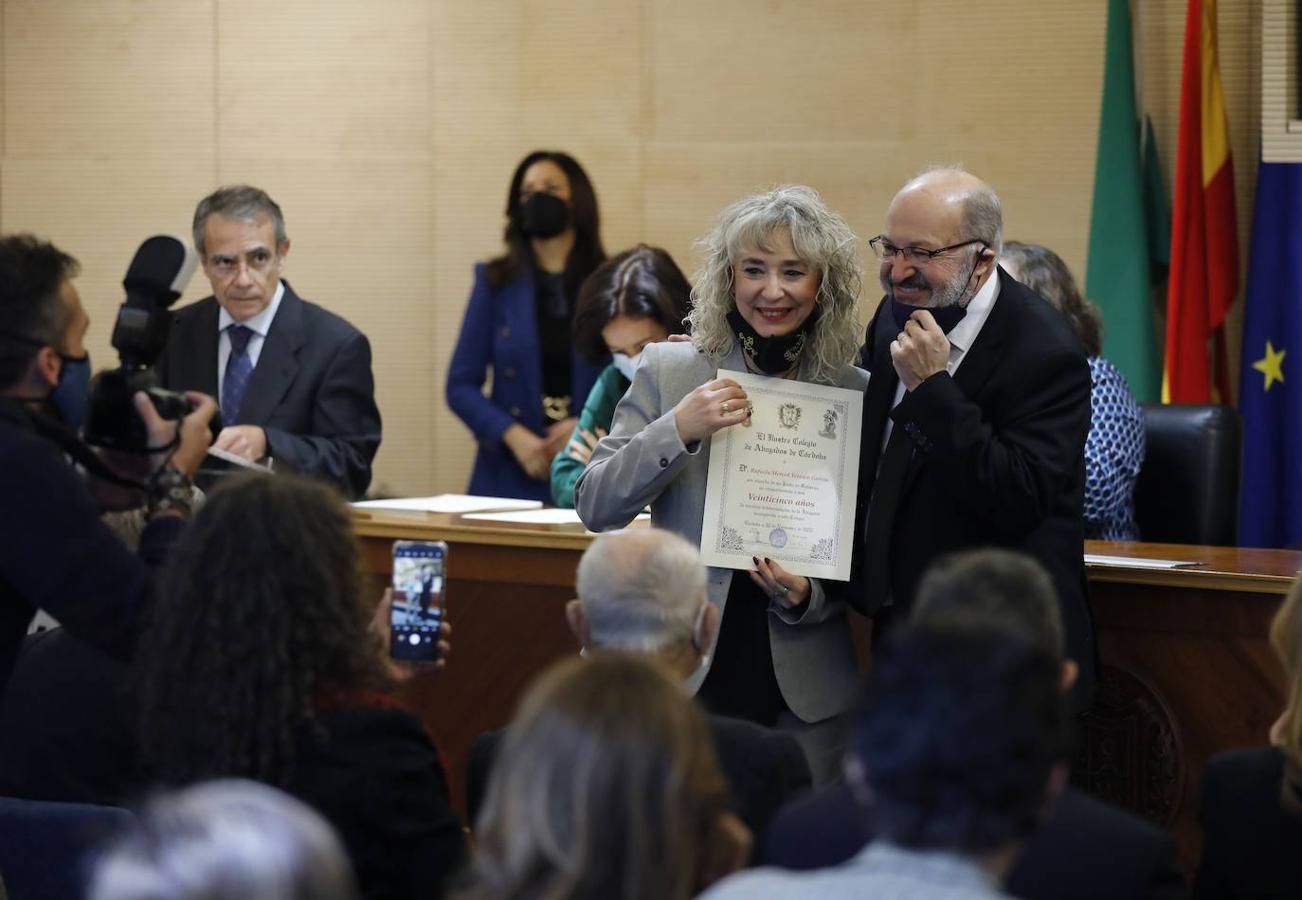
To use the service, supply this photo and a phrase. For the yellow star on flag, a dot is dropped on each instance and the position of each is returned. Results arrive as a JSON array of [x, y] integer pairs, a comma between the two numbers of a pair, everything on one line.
[[1272, 365]]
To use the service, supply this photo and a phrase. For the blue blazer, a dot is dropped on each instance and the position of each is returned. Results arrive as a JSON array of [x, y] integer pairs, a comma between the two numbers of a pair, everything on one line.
[[500, 331]]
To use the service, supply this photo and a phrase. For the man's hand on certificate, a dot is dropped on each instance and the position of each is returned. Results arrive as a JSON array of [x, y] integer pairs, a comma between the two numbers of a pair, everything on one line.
[[710, 407], [787, 589], [920, 351]]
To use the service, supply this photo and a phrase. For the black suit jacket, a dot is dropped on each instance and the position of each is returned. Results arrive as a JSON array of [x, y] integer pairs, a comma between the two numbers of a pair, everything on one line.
[[1085, 850], [312, 391], [998, 456], [1252, 847], [764, 769]]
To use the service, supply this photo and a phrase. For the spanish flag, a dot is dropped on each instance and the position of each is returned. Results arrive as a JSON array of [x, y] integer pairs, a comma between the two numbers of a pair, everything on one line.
[[1204, 241]]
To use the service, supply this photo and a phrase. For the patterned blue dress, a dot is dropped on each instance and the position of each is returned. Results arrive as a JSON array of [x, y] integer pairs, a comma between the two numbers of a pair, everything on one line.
[[1114, 452]]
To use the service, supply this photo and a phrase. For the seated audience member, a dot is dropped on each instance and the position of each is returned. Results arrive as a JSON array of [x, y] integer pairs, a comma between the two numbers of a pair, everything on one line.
[[259, 664], [643, 591], [1084, 849], [635, 298], [1252, 799], [55, 553], [607, 787], [959, 746], [293, 379], [226, 840], [1114, 449]]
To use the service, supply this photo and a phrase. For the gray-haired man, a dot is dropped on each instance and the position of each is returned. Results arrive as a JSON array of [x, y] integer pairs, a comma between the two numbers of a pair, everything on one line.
[[643, 591]]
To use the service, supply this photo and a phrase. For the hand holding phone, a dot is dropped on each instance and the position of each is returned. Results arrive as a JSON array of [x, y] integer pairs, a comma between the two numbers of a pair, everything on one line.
[[417, 609]]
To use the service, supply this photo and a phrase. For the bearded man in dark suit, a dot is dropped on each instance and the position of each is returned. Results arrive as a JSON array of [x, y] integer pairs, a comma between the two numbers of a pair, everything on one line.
[[976, 411], [293, 380]]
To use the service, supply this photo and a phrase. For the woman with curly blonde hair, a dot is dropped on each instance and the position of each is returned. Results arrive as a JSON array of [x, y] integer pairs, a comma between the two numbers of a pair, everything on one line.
[[777, 295]]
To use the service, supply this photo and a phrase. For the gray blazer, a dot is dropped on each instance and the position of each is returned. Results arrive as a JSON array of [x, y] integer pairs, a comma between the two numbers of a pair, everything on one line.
[[644, 461]]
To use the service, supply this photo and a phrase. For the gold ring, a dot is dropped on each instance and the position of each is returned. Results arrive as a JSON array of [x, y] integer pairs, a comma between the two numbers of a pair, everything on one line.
[[724, 406]]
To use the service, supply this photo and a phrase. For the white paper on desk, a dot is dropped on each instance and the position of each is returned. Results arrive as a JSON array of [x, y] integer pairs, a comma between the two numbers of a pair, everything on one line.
[[1130, 562], [448, 503], [784, 486], [537, 517]]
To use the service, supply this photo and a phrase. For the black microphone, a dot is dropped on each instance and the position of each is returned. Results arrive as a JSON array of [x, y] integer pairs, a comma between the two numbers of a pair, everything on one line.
[[156, 277]]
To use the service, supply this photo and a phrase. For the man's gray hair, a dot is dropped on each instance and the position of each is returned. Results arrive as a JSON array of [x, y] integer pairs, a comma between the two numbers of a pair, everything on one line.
[[983, 213], [226, 840], [238, 201], [642, 590]]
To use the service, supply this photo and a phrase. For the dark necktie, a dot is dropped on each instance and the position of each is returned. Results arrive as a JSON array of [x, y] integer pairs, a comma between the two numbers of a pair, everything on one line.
[[238, 369]]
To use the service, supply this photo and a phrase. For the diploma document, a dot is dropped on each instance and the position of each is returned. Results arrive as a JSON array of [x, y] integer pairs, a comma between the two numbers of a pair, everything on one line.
[[784, 485]]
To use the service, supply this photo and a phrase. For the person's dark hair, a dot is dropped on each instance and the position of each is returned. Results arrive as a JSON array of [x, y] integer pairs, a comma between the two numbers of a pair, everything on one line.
[[32, 311], [1044, 272], [960, 729], [587, 253], [260, 619], [1002, 587], [238, 201], [643, 282]]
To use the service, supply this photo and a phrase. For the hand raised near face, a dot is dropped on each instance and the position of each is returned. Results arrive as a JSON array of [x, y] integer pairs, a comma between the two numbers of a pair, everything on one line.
[[710, 407], [920, 351]]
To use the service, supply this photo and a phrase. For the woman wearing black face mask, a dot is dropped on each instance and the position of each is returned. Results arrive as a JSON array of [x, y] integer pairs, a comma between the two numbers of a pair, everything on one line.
[[777, 295], [518, 324]]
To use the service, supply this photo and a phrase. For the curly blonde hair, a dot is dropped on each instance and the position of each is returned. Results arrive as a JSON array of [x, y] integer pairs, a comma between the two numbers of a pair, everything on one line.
[[821, 238]]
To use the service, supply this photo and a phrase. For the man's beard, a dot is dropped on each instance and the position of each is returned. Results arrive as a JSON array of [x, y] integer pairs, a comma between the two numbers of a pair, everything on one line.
[[950, 293]]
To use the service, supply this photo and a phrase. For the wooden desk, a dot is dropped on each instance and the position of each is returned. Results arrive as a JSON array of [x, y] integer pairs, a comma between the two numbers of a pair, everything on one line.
[[1187, 667]]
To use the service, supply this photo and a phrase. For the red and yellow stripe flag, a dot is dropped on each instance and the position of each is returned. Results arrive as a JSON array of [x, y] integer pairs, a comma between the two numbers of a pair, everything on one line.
[[1204, 240]]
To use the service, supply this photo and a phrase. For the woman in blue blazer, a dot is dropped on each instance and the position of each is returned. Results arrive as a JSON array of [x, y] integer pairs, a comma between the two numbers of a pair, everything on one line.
[[518, 324]]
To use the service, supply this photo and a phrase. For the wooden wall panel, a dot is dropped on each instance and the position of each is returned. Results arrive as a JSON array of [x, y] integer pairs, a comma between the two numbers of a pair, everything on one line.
[[388, 132]]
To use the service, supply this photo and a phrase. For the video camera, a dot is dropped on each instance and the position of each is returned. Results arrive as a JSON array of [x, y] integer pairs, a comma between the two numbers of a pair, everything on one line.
[[155, 279]]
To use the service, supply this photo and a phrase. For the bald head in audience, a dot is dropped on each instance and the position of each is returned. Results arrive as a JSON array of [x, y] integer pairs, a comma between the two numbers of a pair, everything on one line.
[[643, 591]]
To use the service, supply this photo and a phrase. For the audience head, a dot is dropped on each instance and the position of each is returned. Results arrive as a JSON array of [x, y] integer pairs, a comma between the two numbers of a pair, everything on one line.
[[1002, 588], [550, 195], [226, 840], [606, 786], [1044, 272], [944, 230], [957, 746], [643, 590], [44, 325], [1286, 638], [783, 251], [633, 299], [260, 620], [239, 232]]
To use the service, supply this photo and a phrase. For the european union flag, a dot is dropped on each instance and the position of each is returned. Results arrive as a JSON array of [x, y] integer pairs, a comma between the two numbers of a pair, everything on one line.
[[1270, 386]]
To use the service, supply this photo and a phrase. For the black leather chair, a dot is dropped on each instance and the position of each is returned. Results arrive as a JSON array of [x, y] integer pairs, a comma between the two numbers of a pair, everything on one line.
[[1188, 488]]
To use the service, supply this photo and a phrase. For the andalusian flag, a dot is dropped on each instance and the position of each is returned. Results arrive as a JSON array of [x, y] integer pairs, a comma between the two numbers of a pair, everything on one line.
[[1118, 272], [1204, 242]]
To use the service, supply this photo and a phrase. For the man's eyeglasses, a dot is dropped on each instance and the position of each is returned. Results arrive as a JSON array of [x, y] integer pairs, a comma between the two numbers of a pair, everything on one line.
[[885, 250]]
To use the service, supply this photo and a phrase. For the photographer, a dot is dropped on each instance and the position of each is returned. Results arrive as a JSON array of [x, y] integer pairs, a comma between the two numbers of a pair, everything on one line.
[[55, 554]]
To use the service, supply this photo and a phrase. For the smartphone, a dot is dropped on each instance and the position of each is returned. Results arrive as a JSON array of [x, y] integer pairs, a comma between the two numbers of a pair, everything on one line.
[[418, 578]]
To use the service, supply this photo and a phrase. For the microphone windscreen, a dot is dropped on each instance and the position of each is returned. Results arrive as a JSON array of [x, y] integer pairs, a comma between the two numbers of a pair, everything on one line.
[[159, 271]]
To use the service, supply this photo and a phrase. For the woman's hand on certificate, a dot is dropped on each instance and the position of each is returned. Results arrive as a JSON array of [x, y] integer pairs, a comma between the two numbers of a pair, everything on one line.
[[786, 589], [710, 407]]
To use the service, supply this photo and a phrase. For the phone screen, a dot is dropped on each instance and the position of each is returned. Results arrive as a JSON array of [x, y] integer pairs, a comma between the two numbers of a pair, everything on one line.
[[418, 579]]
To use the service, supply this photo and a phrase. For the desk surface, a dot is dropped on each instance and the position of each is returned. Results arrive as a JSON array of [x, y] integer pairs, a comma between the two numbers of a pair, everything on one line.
[[1222, 568]]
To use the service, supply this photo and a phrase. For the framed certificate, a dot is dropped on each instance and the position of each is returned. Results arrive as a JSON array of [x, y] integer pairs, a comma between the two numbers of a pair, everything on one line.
[[784, 485]]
